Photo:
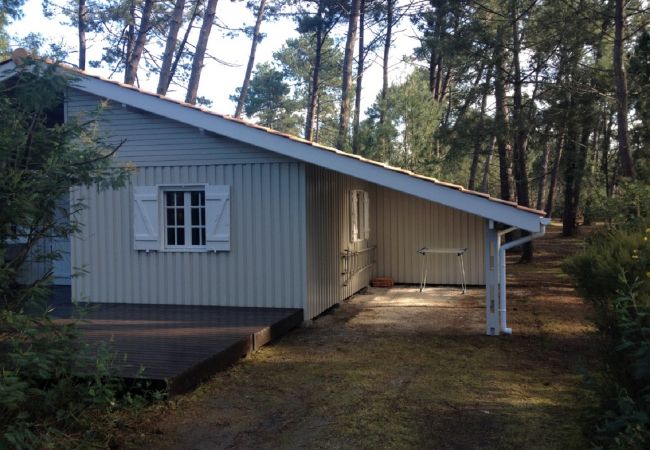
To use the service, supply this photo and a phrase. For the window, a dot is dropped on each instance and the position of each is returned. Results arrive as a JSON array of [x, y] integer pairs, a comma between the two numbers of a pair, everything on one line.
[[185, 218], [181, 218], [359, 216]]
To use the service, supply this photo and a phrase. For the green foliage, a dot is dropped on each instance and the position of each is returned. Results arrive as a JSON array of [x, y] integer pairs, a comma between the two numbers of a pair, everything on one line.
[[630, 202], [598, 268], [296, 60], [269, 100], [613, 273], [41, 159], [639, 82], [50, 382], [9, 10], [412, 118], [279, 92]]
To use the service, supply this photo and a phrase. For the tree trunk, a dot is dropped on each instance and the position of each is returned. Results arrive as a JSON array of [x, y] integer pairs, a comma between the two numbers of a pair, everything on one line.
[[82, 16], [620, 81], [433, 59], [436, 88], [387, 44], [130, 34], [555, 172], [604, 158], [581, 160], [199, 53], [478, 139], [170, 47], [343, 138], [469, 99], [569, 214], [183, 43], [501, 119], [251, 60], [360, 69], [315, 77], [541, 178], [445, 84], [131, 69], [485, 183], [521, 132]]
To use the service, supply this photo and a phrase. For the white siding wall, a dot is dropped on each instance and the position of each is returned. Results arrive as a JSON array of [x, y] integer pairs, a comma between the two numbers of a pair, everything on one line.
[[265, 267], [266, 264], [328, 236], [156, 141], [406, 224]]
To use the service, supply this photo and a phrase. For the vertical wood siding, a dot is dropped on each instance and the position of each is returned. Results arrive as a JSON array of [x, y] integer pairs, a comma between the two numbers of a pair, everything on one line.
[[328, 236], [406, 224], [265, 267]]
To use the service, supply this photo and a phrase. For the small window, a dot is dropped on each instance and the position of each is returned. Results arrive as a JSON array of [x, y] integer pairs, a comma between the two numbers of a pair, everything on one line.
[[359, 216], [185, 219]]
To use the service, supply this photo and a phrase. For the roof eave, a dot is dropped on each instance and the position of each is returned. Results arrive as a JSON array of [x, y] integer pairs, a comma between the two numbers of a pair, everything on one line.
[[450, 195]]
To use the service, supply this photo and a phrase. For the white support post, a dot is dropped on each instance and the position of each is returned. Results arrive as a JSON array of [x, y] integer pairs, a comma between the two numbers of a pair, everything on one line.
[[492, 245]]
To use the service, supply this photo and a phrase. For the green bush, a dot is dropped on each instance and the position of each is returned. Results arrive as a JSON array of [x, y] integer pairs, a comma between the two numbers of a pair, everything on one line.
[[50, 383], [613, 273], [602, 270]]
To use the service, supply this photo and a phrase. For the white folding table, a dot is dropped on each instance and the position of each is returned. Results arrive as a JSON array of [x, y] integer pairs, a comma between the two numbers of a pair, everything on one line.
[[425, 251]]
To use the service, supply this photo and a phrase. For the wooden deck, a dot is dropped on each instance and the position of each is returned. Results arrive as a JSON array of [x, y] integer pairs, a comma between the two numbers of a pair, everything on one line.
[[181, 345]]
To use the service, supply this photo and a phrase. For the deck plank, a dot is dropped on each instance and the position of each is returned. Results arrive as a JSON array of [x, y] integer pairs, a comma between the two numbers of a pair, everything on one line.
[[179, 344]]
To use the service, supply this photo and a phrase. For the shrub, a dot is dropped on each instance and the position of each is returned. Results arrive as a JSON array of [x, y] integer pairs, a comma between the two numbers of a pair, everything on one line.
[[602, 270], [613, 273], [49, 383]]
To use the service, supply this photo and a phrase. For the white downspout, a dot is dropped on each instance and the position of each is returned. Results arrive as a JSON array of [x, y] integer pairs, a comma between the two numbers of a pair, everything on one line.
[[502, 271]]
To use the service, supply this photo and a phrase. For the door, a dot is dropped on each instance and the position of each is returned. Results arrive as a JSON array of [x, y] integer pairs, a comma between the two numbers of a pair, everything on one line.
[[62, 267]]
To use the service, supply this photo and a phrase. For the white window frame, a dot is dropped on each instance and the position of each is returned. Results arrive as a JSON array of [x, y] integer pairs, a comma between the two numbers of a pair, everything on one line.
[[359, 231], [19, 240], [188, 225]]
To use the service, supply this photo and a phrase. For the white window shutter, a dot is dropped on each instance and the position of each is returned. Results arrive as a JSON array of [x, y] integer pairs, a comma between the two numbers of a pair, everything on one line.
[[354, 216], [146, 226], [217, 217], [366, 215]]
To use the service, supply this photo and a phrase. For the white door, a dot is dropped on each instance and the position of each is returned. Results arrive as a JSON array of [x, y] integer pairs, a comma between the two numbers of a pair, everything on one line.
[[62, 268]]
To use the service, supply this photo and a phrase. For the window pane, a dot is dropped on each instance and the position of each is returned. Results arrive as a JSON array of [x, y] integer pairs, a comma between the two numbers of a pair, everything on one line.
[[171, 219], [202, 216], [180, 217], [171, 236], [180, 236], [169, 197], [195, 216], [202, 198], [180, 198], [195, 198], [196, 236]]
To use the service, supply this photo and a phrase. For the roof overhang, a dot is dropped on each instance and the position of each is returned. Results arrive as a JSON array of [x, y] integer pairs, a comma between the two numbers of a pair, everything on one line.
[[423, 187]]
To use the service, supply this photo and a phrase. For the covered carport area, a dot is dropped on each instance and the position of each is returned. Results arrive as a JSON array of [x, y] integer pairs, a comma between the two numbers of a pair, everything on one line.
[[362, 225]]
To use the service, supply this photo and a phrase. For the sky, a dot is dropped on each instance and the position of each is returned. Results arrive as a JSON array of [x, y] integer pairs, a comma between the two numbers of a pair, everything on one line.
[[219, 81]]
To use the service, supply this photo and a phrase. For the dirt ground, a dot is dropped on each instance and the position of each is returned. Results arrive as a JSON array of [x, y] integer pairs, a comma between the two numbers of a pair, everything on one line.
[[400, 369]]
